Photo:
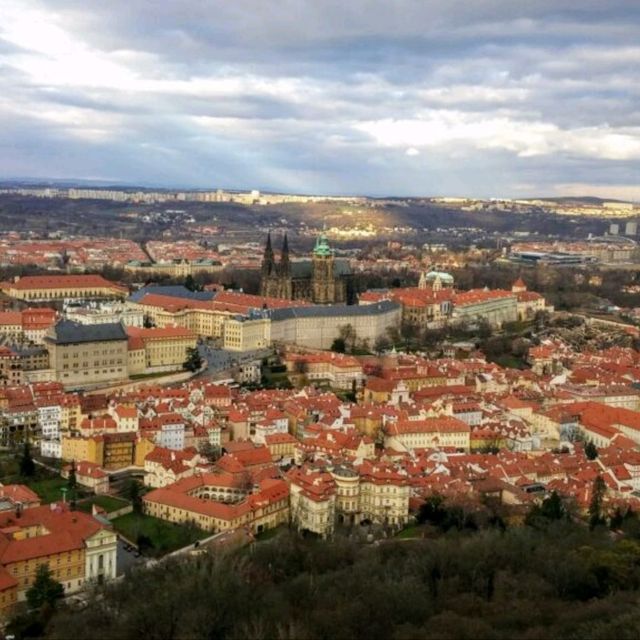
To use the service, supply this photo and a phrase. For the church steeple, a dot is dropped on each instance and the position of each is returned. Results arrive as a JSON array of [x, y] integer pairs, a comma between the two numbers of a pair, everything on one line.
[[322, 247], [285, 265], [268, 261]]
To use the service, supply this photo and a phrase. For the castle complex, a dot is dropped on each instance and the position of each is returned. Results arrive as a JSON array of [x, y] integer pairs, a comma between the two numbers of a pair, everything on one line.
[[322, 280]]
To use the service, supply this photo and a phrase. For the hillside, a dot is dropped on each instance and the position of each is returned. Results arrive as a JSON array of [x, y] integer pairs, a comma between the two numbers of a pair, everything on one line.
[[562, 581]]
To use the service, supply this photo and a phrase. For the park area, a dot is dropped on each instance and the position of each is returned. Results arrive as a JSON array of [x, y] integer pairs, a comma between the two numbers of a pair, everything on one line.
[[156, 537], [108, 503], [47, 486]]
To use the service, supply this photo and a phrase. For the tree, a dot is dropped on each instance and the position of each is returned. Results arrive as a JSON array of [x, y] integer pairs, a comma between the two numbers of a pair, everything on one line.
[[409, 332], [495, 347], [144, 542], [44, 590], [210, 452], [132, 491], [541, 320], [338, 345], [27, 465], [191, 284], [432, 510], [348, 335], [484, 329], [595, 506], [590, 450], [72, 481], [551, 509], [381, 344], [394, 335], [193, 361]]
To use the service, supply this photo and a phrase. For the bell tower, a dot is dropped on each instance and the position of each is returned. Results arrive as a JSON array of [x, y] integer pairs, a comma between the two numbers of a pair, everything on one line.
[[323, 284]]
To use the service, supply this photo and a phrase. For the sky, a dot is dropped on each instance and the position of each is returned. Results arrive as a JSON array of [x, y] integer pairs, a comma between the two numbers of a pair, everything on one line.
[[490, 98]]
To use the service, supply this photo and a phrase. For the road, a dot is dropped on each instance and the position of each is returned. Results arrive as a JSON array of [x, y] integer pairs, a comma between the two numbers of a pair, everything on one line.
[[126, 559], [220, 363]]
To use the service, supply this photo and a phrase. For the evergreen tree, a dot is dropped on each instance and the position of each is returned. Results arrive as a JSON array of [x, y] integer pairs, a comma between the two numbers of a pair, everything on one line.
[[193, 361], [27, 465], [132, 492], [590, 450], [44, 590], [551, 509], [191, 284], [72, 484]]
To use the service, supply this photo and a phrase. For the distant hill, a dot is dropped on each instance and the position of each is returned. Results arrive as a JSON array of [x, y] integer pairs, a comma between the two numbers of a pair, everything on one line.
[[581, 199]]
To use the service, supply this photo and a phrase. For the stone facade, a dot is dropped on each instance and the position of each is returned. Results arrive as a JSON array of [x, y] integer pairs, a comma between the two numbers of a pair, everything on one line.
[[323, 280]]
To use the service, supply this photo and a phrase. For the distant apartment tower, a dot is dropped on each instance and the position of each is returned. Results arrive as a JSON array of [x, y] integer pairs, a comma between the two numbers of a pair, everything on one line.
[[631, 229], [614, 229]]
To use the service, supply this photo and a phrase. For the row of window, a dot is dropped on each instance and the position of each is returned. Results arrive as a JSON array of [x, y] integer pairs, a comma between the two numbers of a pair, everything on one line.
[[76, 354], [95, 372]]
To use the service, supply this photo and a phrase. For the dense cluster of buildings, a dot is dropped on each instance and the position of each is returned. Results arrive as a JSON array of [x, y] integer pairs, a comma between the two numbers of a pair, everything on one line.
[[83, 356], [434, 302], [245, 322], [102, 336], [461, 428], [353, 440], [418, 427], [607, 250], [218, 195], [358, 440], [91, 338], [71, 254]]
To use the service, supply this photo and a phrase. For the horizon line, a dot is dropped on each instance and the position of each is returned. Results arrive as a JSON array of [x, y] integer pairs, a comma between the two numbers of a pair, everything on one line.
[[105, 183]]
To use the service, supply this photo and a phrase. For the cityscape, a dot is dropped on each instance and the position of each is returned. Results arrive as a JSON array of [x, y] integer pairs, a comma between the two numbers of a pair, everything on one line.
[[319, 321]]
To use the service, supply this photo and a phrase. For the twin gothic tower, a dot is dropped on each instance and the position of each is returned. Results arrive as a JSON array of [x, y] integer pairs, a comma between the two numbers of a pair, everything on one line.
[[322, 280]]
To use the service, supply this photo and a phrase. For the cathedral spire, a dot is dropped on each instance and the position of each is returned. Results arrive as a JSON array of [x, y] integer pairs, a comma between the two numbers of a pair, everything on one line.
[[285, 265], [268, 261]]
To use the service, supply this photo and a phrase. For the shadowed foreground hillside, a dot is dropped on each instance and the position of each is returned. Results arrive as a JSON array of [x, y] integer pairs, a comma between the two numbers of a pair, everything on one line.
[[559, 582]]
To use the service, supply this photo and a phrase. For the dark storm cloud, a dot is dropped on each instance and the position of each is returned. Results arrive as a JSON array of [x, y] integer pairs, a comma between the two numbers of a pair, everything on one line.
[[417, 97]]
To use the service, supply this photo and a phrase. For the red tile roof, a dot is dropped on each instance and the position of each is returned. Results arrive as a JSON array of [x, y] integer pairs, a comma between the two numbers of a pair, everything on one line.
[[82, 281]]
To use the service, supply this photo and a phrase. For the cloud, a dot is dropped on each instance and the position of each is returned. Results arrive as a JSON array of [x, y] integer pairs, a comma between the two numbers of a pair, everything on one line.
[[368, 96], [447, 129]]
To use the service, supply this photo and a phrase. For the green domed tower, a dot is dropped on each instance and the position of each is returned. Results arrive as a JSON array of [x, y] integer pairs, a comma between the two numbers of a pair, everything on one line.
[[323, 282]]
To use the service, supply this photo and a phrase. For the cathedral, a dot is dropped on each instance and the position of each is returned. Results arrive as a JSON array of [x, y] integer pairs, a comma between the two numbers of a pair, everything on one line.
[[323, 280]]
